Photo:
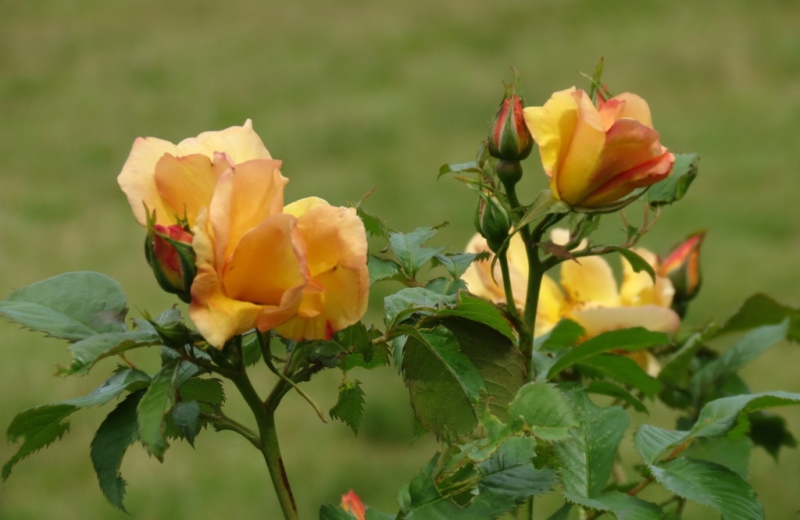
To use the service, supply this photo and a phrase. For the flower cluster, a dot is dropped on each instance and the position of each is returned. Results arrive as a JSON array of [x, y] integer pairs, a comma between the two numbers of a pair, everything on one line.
[[299, 269]]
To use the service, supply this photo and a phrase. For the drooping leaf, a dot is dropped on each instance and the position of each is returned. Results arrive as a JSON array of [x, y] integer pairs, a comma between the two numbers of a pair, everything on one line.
[[587, 457], [496, 358], [38, 427], [709, 378], [157, 401], [770, 432], [545, 410], [711, 485], [629, 340], [409, 250], [70, 306], [116, 433], [349, 408], [615, 391], [444, 385], [129, 379], [674, 187], [623, 370], [718, 417], [383, 269], [88, 351], [760, 310]]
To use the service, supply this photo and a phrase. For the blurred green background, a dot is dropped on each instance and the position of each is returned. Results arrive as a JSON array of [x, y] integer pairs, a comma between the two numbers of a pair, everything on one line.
[[355, 95]]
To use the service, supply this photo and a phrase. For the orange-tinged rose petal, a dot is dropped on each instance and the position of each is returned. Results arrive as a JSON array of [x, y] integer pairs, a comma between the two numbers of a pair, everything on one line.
[[265, 263], [602, 319], [333, 236], [137, 180], [589, 282], [633, 107], [344, 302], [624, 183]]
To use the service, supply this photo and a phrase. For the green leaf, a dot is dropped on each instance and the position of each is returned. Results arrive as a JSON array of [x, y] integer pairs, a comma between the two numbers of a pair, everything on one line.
[[331, 512], [615, 391], [408, 249], [562, 513], [446, 286], [497, 359], [545, 410], [770, 432], [711, 485], [734, 454], [349, 408], [544, 204], [565, 334], [39, 427], [116, 433], [718, 417], [676, 369], [630, 340], [760, 310], [373, 225], [383, 269], [624, 370], [637, 262], [710, 377], [251, 349], [90, 350], [480, 311], [70, 306], [623, 507], [652, 442], [467, 167], [152, 409], [587, 457], [185, 416], [204, 390], [674, 187], [444, 385], [456, 263], [403, 303]]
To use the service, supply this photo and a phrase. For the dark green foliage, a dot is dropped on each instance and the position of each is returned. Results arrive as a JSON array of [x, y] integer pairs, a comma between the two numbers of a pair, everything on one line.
[[349, 408]]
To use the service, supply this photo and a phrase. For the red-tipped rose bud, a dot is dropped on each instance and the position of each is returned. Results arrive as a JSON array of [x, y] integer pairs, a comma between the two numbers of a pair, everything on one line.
[[352, 504], [682, 267], [169, 252], [509, 137], [491, 221]]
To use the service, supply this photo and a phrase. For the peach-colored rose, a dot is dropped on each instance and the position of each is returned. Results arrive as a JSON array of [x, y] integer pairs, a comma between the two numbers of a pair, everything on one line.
[[597, 156], [300, 270]]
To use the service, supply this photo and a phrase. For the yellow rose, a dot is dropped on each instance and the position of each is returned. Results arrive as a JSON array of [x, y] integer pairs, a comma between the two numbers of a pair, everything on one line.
[[587, 292], [597, 156], [300, 270]]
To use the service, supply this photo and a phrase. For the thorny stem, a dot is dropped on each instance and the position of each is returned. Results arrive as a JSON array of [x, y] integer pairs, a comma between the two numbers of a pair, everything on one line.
[[264, 413]]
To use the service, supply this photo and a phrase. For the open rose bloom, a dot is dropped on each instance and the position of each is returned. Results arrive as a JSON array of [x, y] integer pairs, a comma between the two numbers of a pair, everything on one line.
[[586, 293], [597, 158], [299, 269]]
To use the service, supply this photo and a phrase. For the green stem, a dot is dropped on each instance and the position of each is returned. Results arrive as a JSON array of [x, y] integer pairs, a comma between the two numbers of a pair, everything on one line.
[[507, 281], [264, 413]]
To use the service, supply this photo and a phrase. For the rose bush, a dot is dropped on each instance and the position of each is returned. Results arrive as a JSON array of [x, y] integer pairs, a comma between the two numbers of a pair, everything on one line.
[[299, 269]]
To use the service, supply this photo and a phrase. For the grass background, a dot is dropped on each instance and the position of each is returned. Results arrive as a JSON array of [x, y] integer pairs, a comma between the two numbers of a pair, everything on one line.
[[355, 95]]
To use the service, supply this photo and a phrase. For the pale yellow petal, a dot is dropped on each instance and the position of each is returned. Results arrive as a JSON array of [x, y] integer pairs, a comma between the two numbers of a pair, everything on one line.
[[137, 181], [478, 275], [603, 319], [185, 185], [551, 307], [589, 282], [241, 143]]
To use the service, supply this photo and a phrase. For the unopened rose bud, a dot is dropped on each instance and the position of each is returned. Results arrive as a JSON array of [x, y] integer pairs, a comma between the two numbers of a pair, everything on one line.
[[509, 137], [169, 252], [351, 503], [492, 222], [682, 267]]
